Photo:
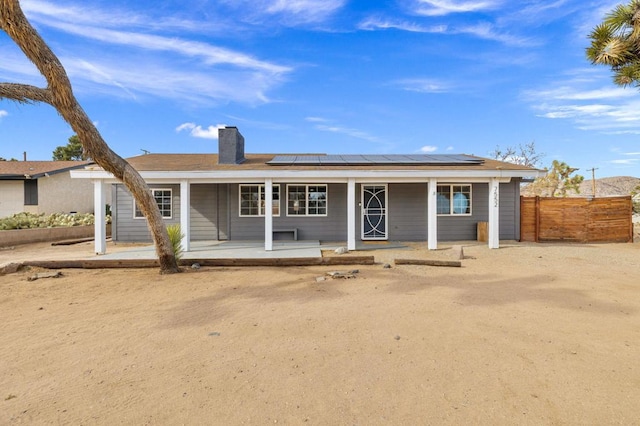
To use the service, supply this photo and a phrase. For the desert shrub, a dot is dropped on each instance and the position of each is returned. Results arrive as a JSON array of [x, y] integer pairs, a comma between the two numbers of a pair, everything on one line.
[[175, 237], [34, 220]]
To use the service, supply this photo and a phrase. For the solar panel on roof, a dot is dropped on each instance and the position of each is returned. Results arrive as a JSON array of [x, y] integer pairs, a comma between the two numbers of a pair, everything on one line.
[[374, 159], [306, 159]]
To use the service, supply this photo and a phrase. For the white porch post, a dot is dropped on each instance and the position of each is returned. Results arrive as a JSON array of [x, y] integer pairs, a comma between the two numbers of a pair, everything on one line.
[[100, 225], [494, 213], [268, 214], [432, 214], [185, 214], [351, 214]]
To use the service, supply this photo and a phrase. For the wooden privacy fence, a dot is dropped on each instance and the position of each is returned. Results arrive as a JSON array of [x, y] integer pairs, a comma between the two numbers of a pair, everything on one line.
[[583, 220]]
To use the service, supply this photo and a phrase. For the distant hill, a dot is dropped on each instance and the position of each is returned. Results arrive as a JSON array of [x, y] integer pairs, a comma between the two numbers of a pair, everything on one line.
[[605, 187]]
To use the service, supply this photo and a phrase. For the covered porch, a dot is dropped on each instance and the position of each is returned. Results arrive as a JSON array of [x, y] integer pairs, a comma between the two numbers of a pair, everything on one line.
[[355, 214]]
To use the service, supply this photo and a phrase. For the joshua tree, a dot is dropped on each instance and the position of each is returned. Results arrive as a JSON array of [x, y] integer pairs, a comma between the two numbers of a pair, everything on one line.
[[558, 181], [59, 94], [616, 43]]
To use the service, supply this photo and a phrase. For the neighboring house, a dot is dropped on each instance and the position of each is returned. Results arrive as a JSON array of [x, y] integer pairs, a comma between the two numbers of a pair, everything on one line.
[[318, 197], [43, 187]]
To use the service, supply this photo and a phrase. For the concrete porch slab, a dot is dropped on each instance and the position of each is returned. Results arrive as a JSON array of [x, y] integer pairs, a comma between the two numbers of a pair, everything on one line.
[[228, 250]]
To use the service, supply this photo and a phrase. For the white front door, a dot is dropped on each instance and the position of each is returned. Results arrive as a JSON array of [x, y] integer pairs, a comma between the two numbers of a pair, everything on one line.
[[374, 212]]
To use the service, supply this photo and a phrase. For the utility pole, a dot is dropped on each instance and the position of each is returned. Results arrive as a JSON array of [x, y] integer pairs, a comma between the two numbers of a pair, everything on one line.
[[593, 180]]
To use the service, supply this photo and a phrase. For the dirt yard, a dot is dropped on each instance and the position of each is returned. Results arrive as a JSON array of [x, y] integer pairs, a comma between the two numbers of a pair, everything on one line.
[[530, 334]]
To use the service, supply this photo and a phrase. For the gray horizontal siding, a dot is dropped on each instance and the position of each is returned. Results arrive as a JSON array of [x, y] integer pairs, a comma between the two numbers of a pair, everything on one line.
[[510, 211], [128, 229], [408, 205], [407, 211], [459, 228], [327, 228], [215, 214], [208, 212]]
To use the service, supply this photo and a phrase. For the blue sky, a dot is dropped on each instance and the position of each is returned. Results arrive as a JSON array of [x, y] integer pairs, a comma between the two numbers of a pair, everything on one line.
[[330, 76]]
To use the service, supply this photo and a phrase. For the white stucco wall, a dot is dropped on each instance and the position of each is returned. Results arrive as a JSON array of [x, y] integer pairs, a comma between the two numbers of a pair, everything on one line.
[[60, 194], [57, 193], [11, 197]]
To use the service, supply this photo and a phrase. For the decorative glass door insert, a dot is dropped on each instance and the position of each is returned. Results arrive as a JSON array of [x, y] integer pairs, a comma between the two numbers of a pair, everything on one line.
[[374, 212]]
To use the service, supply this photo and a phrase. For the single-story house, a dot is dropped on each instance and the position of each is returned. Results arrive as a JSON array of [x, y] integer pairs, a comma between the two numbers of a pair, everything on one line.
[[225, 196], [43, 187]]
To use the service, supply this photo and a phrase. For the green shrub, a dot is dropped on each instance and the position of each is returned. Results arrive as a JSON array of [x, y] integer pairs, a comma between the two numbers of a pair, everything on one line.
[[33, 220], [175, 237]]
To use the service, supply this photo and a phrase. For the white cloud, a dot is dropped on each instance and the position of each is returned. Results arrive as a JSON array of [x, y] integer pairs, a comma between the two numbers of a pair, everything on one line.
[[209, 54], [287, 12], [446, 7], [589, 103], [623, 132], [3, 113], [177, 68], [316, 119], [375, 23], [15, 63], [537, 13], [211, 132], [41, 11], [485, 30], [100, 74], [423, 85], [572, 93], [428, 148], [488, 31], [305, 10], [568, 111], [355, 133], [626, 161], [163, 79], [592, 16]]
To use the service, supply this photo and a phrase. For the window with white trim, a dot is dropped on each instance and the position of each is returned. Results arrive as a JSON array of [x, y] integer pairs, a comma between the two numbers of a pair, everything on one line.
[[306, 200], [253, 200], [454, 200], [163, 199]]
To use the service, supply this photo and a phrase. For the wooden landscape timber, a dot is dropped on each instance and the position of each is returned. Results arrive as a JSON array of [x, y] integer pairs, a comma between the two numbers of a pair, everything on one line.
[[429, 262], [153, 263], [72, 242]]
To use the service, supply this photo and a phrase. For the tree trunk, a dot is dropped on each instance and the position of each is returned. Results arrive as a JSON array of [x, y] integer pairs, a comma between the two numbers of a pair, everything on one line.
[[59, 94]]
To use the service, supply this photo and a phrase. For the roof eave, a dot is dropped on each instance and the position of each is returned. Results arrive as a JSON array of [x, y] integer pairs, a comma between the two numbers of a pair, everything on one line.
[[316, 174]]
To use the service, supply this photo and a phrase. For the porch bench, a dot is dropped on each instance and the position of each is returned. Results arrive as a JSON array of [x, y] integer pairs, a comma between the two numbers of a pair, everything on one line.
[[292, 231]]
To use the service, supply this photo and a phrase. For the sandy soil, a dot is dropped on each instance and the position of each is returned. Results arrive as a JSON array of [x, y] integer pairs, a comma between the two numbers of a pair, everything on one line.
[[527, 334]]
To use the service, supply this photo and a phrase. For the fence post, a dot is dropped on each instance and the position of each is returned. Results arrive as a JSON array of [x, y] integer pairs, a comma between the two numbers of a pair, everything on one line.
[[537, 209]]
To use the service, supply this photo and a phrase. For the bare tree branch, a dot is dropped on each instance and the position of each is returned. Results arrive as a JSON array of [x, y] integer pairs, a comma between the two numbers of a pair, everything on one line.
[[60, 96], [25, 93], [524, 155]]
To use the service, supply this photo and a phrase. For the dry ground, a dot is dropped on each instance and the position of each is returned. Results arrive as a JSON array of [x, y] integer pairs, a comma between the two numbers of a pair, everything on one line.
[[528, 334]]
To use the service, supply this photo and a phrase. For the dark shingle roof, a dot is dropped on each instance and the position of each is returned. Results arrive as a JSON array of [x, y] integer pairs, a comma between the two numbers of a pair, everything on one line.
[[37, 169], [209, 162]]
